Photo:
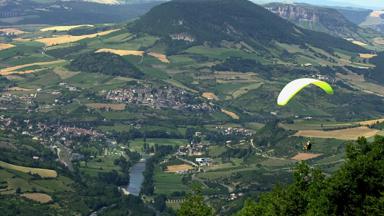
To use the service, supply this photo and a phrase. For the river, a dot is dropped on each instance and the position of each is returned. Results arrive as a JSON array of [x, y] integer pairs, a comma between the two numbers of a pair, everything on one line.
[[136, 177]]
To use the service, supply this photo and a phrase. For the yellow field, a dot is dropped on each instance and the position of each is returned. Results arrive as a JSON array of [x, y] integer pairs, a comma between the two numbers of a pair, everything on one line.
[[367, 56], [44, 173], [122, 52], [359, 43], [13, 70], [305, 156], [22, 39], [63, 28], [209, 96], [230, 114], [178, 168], [4, 46], [62, 39], [38, 197], [343, 134], [161, 57], [370, 122], [117, 107], [14, 31]]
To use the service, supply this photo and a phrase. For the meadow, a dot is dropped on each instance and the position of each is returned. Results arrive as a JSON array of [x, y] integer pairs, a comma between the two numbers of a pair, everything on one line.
[[38, 197], [44, 173], [342, 134], [167, 183]]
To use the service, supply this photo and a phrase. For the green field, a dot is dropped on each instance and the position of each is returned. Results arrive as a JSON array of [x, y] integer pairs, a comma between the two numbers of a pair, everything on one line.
[[167, 183], [100, 164], [219, 53], [27, 183], [137, 144], [44, 173]]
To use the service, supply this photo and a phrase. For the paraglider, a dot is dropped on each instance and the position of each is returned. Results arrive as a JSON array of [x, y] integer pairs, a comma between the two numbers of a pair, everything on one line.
[[294, 87], [307, 146]]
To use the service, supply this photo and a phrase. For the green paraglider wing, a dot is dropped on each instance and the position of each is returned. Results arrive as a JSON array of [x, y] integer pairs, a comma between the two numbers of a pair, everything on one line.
[[294, 87]]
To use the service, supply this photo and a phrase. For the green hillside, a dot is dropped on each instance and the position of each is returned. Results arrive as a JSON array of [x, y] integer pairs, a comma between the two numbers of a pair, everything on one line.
[[200, 21]]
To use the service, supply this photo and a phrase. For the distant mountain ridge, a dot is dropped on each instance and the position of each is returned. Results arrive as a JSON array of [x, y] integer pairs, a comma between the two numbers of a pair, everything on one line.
[[17, 12], [355, 15]]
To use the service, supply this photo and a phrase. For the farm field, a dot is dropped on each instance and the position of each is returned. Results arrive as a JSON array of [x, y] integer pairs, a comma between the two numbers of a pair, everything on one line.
[[218, 53], [359, 82], [117, 107], [19, 69], [359, 43], [328, 125], [63, 28], [367, 55], [305, 156], [167, 183], [137, 144], [370, 122], [343, 134], [44, 173], [63, 39], [101, 164], [178, 168], [209, 96], [15, 31], [230, 114], [161, 57], [28, 183], [38, 197], [4, 46], [122, 52]]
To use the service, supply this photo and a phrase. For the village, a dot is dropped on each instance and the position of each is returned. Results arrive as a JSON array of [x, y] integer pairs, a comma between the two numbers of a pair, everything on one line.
[[158, 98]]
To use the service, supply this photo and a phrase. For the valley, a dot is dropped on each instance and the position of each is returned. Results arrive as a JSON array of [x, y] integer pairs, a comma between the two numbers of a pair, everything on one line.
[[84, 104]]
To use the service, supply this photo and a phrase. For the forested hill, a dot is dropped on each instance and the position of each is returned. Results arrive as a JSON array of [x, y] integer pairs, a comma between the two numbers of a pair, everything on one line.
[[198, 21]]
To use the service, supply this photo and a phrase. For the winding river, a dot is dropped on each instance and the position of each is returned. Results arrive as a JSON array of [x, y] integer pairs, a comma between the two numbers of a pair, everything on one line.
[[136, 177]]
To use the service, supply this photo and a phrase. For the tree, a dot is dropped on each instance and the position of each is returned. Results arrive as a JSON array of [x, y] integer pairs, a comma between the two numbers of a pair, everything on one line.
[[194, 205], [160, 202], [18, 190]]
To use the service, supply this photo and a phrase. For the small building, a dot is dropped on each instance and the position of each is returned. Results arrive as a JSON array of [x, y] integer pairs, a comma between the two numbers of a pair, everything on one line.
[[203, 161]]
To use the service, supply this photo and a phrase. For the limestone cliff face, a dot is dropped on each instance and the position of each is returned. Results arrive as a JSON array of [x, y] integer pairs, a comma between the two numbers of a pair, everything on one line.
[[316, 18], [296, 13]]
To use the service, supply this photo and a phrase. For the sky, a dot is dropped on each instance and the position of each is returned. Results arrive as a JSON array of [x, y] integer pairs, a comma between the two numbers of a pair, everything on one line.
[[371, 4]]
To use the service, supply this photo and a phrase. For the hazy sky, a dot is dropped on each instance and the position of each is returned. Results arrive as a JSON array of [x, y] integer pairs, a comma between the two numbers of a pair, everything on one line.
[[372, 4]]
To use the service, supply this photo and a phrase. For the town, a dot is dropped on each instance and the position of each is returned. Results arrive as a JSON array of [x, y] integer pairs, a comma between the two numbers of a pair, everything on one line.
[[159, 98]]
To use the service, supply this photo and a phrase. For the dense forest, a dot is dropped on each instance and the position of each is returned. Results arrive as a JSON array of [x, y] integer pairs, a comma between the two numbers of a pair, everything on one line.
[[105, 63], [376, 74]]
